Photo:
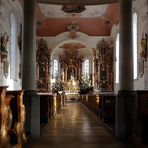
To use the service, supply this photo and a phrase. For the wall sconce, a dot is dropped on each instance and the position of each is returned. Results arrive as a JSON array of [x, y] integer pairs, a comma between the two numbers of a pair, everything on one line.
[[143, 52]]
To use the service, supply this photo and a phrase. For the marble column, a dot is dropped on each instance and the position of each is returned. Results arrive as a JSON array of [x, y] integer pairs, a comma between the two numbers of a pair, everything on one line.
[[31, 99], [125, 94]]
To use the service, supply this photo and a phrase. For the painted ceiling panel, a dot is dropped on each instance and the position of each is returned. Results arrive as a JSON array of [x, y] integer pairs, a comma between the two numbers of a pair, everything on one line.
[[94, 20], [55, 11]]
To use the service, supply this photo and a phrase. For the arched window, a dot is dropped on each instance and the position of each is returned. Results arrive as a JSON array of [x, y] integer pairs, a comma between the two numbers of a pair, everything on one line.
[[13, 49], [86, 67], [135, 45], [117, 58], [55, 68]]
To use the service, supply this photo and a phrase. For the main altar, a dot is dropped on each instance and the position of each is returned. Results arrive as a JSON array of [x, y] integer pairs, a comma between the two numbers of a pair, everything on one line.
[[71, 66], [71, 88]]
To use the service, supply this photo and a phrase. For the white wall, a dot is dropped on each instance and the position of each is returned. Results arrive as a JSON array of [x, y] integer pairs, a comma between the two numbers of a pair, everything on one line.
[[140, 7], [8, 7]]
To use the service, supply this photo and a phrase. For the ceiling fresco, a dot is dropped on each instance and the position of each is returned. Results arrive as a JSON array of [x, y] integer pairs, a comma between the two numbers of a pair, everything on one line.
[[93, 20]]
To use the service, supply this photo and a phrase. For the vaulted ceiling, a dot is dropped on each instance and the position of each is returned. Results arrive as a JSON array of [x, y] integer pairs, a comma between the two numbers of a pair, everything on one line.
[[93, 20], [82, 49], [78, 2]]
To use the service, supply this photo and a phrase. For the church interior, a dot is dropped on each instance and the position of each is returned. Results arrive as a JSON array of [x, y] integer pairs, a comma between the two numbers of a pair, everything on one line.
[[73, 73]]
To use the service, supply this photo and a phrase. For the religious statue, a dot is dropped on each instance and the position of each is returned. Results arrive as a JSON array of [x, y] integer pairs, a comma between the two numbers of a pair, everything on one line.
[[4, 41], [70, 73], [73, 28], [103, 72], [143, 52]]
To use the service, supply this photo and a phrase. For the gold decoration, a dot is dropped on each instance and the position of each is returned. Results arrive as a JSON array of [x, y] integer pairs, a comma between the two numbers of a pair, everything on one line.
[[43, 64], [4, 118], [71, 86], [104, 66], [18, 111], [143, 52], [71, 63], [73, 28], [97, 99], [4, 41], [5, 67]]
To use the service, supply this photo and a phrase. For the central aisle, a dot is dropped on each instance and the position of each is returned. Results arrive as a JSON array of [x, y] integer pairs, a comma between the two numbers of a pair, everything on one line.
[[76, 127]]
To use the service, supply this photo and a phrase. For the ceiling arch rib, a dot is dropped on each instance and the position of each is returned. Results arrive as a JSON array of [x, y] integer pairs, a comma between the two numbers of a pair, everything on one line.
[[78, 2]]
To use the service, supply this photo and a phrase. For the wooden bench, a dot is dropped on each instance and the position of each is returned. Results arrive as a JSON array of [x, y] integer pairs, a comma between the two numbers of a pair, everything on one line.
[[5, 119], [140, 117], [17, 131]]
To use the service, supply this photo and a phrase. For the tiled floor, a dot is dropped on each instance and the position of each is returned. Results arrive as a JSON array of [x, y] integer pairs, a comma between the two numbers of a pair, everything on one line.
[[76, 127]]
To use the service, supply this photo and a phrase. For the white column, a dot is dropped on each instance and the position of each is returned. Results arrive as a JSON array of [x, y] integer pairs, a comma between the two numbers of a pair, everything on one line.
[[125, 94]]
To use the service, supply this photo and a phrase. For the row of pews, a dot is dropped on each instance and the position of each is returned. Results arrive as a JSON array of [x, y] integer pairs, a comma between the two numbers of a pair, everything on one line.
[[50, 106], [13, 132], [103, 105], [12, 118], [12, 113]]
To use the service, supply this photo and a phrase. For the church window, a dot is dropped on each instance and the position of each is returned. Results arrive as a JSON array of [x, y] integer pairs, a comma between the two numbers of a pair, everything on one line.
[[13, 50], [55, 68], [117, 58], [86, 67], [135, 45]]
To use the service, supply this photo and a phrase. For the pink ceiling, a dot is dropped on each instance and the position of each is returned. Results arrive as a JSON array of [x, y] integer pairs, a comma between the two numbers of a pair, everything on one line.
[[113, 13], [98, 26]]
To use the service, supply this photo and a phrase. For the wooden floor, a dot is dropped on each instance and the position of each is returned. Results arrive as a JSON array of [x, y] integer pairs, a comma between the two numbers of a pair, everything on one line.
[[76, 127]]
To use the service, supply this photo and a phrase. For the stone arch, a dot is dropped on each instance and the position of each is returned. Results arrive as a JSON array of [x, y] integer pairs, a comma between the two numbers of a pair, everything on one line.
[[63, 38]]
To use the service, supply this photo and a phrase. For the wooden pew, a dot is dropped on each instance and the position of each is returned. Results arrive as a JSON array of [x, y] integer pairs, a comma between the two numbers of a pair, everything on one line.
[[91, 101], [58, 103], [5, 117], [46, 108], [140, 118], [103, 105], [108, 109], [16, 131]]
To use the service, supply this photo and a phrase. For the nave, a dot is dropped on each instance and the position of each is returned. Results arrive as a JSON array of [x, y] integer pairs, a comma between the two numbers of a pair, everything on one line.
[[76, 127]]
